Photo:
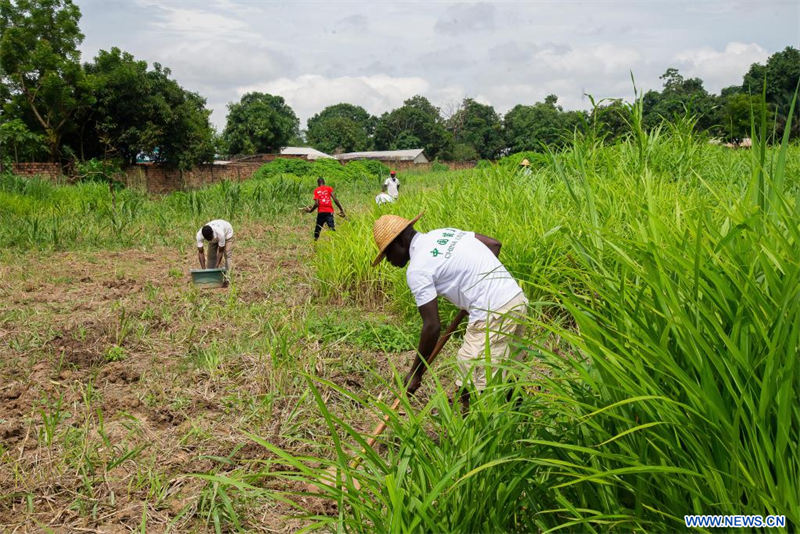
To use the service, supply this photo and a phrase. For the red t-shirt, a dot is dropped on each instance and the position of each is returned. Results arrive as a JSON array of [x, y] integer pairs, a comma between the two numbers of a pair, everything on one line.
[[322, 194]]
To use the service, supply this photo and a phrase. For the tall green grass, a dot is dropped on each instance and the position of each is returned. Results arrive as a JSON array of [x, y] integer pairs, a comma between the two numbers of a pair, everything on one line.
[[665, 330], [44, 215]]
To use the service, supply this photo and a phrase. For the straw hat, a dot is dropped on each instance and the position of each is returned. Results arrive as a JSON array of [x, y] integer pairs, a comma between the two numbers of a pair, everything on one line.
[[525, 162], [386, 229]]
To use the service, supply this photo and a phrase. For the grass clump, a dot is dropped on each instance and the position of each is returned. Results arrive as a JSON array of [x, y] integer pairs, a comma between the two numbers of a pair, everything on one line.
[[665, 331]]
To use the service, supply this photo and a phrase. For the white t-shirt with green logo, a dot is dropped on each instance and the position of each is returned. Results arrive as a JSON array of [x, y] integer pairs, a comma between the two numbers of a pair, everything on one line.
[[223, 232], [452, 263]]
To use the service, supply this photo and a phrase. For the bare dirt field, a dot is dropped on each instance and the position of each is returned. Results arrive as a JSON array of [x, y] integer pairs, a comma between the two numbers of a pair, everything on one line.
[[119, 381]]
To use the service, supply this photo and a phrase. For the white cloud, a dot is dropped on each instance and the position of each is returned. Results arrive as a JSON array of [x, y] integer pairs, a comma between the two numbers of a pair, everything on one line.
[[199, 22], [466, 18], [720, 68], [605, 58], [310, 93]]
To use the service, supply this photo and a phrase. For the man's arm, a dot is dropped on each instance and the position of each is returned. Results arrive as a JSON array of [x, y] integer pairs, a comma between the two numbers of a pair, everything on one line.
[[341, 209], [429, 335], [492, 243], [220, 255], [314, 206], [201, 257]]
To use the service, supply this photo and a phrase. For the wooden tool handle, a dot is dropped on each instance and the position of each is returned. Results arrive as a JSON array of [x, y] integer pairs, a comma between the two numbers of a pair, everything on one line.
[[435, 352]]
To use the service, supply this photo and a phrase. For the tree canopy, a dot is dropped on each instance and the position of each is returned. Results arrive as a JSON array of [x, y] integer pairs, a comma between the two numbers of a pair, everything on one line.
[[478, 126], [40, 63], [259, 123], [113, 107], [137, 110], [341, 128], [781, 74], [416, 124], [680, 96], [542, 124]]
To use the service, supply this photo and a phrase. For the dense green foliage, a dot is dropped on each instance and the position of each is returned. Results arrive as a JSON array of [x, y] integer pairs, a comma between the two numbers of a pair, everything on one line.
[[40, 60], [259, 123], [781, 73], [478, 126], [416, 124], [136, 111], [112, 108], [341, 128], [362, 174], [540, 125]]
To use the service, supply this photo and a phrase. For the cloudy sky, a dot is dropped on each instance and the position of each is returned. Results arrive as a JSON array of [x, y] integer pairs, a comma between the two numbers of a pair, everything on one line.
[[378, 53]]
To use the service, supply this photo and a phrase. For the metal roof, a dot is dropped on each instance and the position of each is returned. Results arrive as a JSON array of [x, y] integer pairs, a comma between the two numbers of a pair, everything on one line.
[[393, 155], [310, 153]]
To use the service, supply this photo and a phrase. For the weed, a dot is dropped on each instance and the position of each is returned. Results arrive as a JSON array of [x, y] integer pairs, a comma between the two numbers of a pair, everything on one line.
[[115, 353], [52, 414]]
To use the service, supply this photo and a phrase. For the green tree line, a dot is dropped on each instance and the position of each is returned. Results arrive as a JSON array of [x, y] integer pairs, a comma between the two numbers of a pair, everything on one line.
[[115, 107]]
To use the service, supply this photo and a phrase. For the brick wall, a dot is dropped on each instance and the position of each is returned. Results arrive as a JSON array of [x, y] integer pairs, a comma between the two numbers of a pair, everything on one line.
[[159, 179], [411, 166], [48, 170], [155, 178]]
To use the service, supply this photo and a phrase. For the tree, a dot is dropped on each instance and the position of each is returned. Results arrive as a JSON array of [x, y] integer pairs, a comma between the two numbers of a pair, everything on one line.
[[178, 125], [679, 97], [416, 124], [138, 110], [114, 126], [542, 124], [341, 128], [40, 62], [609, 119], [781, 75], [19, 143], [477, 125], [736, 111], [260, 122]]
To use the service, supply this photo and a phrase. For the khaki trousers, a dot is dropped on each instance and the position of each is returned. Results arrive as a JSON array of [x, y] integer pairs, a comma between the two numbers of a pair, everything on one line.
[[497, 332], [211, 256]]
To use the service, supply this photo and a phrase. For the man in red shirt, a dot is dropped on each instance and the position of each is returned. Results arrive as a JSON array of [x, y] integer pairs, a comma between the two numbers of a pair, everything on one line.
[[323, 203]]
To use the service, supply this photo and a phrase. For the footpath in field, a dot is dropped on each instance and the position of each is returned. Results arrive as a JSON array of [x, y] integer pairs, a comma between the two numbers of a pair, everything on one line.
[[121, 380]]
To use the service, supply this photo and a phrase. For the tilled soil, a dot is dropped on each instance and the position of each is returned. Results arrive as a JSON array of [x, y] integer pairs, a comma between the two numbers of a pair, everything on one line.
[[103, 415]]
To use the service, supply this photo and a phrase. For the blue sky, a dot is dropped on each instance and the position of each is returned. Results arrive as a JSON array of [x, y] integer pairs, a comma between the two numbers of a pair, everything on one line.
[[376, 54]]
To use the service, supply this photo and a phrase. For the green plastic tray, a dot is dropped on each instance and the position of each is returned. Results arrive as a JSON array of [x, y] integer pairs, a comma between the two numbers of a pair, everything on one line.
[[208, 277]]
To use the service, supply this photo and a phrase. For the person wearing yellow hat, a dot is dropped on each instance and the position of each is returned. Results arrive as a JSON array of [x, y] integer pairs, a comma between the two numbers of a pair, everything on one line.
[[464, 268], [525, 167]]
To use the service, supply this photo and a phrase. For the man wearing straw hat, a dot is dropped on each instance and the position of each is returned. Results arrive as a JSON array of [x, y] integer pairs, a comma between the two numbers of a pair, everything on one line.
[[525, 167], [464, 268]]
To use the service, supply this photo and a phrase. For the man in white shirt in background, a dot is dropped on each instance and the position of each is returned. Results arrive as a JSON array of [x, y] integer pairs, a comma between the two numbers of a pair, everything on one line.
[[464, 268], [391, 185], [219, 235]]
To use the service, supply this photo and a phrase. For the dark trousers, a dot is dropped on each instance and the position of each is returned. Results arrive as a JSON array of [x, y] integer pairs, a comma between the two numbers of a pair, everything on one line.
[[323, 218]]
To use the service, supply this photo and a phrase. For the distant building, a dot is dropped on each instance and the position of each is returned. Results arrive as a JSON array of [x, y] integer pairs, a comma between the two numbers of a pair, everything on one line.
[[389, 157], [310, 153]]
